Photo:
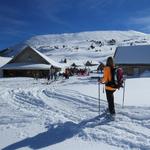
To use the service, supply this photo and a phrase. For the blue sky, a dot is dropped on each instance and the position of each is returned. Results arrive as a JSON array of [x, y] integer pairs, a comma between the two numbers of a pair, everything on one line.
[[22, 19]]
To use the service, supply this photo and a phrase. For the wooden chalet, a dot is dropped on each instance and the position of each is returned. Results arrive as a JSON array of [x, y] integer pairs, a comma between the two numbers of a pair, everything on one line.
[[134, 60], [29, 63]]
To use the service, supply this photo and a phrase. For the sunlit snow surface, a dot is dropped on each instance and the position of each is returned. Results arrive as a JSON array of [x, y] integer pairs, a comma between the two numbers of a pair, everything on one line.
[[63, 115]]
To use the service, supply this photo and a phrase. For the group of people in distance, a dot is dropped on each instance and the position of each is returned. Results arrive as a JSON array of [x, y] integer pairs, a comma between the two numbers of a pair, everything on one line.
[[106, 79]]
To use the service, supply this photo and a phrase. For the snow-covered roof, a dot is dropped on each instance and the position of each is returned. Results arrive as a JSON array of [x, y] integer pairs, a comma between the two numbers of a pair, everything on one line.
[[132, 55], [26, 66], [50, 61]]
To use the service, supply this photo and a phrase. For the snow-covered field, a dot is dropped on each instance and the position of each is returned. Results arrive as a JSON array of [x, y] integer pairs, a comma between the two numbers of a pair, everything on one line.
[[63, 115]]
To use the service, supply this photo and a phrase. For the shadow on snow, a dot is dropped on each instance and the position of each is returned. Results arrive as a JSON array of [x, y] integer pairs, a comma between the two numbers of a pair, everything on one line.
[[57, 133]]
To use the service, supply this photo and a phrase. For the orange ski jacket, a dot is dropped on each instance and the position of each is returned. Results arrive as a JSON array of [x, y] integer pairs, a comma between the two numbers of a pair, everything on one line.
[[107, 77]]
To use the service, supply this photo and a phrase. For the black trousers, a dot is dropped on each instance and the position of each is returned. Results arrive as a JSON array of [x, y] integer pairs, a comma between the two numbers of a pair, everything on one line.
[[110, 100]]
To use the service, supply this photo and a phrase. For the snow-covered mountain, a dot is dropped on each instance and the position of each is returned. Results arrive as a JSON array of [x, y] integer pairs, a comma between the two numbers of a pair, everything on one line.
[[79, 38], [82, 46]]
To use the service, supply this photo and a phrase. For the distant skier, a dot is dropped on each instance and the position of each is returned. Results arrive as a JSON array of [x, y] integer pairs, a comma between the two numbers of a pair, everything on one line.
[[48, 77], [107, 80], [52, 70], [51, 73], [66, 73]]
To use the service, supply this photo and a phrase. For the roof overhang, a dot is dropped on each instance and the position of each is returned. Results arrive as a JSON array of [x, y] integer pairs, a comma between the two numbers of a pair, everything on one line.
[[25, 66]]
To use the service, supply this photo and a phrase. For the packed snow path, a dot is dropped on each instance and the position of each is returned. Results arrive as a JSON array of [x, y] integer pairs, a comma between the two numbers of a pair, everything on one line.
[[63, 112]]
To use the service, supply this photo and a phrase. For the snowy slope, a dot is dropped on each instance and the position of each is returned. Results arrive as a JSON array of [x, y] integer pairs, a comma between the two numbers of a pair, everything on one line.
[[77, 46], [63, 115], [73, 38], [4, 60]]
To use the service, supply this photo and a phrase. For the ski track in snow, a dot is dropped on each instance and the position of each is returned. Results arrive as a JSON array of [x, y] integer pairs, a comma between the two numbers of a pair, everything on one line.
[[55, 106]]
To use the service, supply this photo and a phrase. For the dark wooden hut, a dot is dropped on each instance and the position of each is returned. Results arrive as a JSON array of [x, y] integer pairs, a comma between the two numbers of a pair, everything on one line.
[[29, 63], [134, 60]]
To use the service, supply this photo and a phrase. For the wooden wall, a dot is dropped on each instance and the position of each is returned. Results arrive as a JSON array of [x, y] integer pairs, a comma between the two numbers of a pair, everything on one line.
[[29, 56], [26, 73], [134, 70]]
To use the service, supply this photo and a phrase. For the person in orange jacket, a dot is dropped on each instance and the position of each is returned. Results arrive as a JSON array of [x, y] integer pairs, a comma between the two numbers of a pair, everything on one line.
[[107, 78]]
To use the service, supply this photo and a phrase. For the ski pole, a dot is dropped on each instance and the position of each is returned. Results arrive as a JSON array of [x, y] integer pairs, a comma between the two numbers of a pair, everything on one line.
[[99, 95], [103, 88], [123, 94]]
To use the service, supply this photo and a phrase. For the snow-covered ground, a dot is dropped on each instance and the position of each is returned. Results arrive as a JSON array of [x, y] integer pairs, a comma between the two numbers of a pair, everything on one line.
[[64, 115]]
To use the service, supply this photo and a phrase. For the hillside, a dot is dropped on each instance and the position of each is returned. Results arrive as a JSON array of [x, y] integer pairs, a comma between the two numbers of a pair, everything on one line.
[[82, 46]]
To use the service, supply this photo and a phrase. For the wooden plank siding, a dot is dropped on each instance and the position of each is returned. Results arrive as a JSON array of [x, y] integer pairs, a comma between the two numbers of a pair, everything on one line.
[[134, 69], [26, 73], [28, 56], [134, 60]]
